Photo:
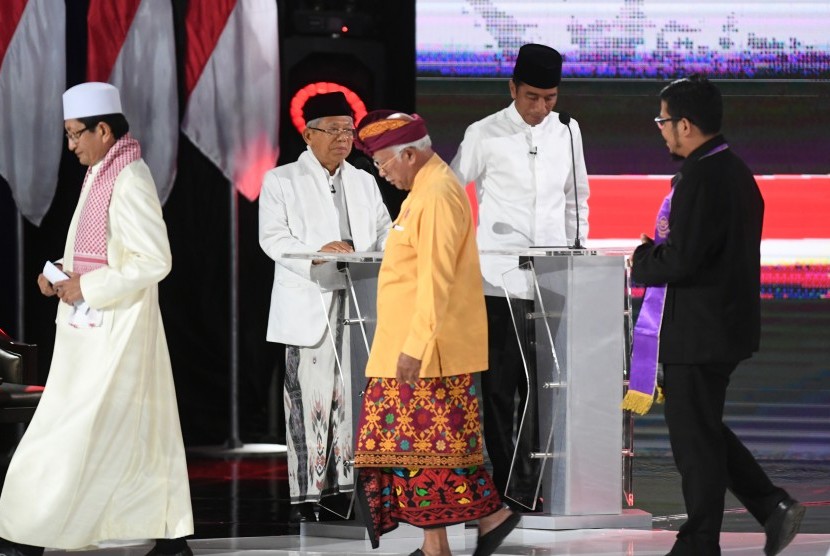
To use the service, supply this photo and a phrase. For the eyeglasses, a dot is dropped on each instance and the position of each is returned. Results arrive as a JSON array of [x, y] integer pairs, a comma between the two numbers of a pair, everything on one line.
[[382, 166], [662, 121], [75, 136], [334, 132]]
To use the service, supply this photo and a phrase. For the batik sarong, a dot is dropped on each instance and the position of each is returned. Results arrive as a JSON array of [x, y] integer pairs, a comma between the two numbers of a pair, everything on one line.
[[420, 456], [318, 414]]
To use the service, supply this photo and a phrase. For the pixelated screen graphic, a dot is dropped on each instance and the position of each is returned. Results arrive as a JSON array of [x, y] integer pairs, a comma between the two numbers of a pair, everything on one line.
[[662, 39]]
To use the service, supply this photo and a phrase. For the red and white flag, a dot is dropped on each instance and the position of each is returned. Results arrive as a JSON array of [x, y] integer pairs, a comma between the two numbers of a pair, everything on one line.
[[232, 83], [32, 79], [131, 45]]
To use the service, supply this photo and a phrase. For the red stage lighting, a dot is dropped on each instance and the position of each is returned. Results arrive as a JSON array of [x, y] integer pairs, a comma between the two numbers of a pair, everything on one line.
[[321, 87]]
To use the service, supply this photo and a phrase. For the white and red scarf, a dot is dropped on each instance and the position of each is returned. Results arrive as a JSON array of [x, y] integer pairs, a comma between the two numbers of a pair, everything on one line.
[[91, 235]]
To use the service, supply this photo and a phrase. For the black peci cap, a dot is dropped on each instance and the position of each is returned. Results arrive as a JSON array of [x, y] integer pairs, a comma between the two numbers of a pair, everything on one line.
[[326, 104], [538, 66]]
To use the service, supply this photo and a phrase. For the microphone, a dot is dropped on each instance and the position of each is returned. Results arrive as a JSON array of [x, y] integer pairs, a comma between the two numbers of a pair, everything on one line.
[[565, 119], [504, 228], [533, 150]]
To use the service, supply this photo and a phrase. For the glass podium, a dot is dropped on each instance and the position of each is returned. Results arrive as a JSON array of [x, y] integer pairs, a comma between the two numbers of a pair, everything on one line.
[[569, 310], [570, 316], [358, 280]]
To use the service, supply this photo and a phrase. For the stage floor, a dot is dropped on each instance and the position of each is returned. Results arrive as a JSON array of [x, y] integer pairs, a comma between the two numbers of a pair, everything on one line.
[[779, 404], [241, 506], [598, 542]]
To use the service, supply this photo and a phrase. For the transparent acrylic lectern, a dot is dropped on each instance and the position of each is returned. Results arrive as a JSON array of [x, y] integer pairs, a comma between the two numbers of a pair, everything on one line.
[[359, 279], [574, 350]]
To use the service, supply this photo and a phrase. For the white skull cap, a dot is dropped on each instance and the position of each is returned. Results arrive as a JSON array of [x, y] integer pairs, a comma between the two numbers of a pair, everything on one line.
[[91, 99]]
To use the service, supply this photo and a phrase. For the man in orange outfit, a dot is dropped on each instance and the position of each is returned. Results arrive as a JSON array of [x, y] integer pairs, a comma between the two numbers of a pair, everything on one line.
[[419, 440]]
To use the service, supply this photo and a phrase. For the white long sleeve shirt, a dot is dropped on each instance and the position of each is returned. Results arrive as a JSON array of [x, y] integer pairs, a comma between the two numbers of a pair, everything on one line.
[[524, 198]]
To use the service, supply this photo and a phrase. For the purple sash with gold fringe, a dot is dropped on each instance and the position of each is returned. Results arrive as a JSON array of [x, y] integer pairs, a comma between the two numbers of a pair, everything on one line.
[[645, 350], [646, 346]]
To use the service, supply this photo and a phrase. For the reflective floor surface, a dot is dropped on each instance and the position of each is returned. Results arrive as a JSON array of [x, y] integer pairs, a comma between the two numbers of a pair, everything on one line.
[[779, 403], [598, 542], [241, 507]]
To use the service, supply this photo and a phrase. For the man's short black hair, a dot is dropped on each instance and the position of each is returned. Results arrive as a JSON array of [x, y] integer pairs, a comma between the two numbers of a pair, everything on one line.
[[117, 122], [698, 100]]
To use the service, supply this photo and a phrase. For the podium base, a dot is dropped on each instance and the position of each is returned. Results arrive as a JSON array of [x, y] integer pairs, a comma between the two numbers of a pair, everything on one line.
[[355, 530], [628, 519]]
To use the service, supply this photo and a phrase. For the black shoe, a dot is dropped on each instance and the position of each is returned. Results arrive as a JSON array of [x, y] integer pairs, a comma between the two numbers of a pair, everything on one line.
[[418, 552], [488, 543], [155, 552], [11, 551], [185, 552], [302, 513], [782, 526], [9, 548]]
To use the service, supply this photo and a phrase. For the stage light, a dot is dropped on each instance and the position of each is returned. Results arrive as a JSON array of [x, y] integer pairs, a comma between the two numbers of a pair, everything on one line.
[[299, 99], [348, 50]]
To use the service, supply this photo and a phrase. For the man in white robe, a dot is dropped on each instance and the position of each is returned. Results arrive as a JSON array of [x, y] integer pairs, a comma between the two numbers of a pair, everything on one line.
[[318, 203], [103, 458]]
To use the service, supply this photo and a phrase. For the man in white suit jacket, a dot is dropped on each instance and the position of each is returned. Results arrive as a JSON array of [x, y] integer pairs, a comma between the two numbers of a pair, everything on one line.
[[318, 203]]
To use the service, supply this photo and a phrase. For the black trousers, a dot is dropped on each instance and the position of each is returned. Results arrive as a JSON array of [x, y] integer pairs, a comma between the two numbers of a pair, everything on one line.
[[710, 457], [500, 386]]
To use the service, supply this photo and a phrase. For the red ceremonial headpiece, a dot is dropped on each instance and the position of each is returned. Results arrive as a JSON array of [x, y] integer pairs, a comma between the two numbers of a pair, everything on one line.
[[378, 131]]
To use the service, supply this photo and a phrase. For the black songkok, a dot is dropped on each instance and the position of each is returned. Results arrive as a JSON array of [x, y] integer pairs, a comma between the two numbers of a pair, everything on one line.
[[539, 66], [326, 104]]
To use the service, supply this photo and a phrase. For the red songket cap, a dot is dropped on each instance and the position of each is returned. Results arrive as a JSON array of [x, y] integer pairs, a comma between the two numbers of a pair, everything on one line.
[[377, 131]]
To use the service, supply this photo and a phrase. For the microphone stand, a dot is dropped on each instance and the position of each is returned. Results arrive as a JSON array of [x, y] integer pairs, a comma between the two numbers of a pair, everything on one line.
[[565, 119]]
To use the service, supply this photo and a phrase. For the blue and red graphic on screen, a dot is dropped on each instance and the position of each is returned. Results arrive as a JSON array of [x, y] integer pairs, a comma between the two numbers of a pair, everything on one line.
[[628, 38]]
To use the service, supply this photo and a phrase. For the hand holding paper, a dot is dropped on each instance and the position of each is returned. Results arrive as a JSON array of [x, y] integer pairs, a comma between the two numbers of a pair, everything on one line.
[[67, 287], [53, 273], [82, 315]]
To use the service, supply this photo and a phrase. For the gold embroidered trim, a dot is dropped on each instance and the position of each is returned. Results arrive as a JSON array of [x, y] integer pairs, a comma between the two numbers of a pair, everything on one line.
[[382, 126], [417, 461]]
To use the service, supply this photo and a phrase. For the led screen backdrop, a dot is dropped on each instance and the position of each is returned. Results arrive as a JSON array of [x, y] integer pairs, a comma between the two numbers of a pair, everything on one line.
[[767, 39]]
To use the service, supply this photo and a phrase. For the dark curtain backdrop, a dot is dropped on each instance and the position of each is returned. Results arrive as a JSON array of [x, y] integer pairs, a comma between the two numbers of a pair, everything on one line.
[[8, 254], [195, 296]]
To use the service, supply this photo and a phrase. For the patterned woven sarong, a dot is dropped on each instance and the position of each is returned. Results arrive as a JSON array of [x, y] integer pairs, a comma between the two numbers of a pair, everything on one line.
[[419, 453], [434, 423]]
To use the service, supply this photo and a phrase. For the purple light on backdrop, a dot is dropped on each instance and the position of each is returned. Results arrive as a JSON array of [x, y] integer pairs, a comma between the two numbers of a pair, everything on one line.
[[627, 38]]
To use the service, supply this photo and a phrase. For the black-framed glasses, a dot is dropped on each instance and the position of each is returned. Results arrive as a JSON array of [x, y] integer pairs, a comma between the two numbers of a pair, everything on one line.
[[662, 121], [334, 132], [75, 136]]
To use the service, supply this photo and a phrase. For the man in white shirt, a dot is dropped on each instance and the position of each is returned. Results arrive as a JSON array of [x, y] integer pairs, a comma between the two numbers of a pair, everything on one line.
[[318, 203], [525, 166]]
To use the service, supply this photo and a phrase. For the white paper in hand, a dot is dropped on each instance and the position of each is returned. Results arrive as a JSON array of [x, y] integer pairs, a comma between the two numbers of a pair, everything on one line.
[[82, 315], [53, 273]]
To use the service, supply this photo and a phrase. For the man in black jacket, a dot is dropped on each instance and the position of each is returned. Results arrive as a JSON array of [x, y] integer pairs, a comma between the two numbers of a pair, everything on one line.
[[710, 265]]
